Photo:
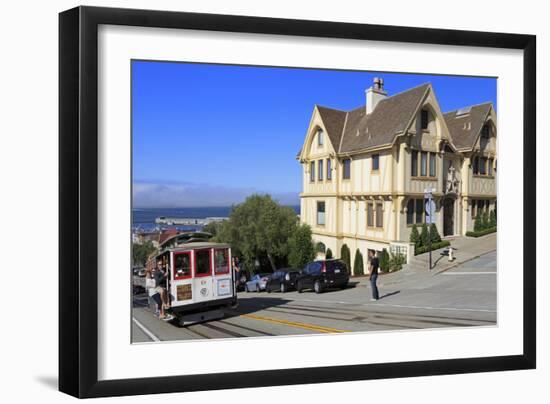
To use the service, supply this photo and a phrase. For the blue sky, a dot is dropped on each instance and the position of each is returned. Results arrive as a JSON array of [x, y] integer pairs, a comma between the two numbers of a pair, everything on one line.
[[209, 135]]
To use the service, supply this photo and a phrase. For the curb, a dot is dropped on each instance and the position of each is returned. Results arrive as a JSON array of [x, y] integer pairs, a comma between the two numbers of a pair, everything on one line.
[[461, 262]]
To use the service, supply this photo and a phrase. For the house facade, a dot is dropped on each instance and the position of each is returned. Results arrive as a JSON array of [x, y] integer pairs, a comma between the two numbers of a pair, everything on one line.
[[365, 170]]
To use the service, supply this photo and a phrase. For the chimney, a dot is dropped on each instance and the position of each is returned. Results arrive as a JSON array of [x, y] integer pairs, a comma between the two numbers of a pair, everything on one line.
[[375, 94]]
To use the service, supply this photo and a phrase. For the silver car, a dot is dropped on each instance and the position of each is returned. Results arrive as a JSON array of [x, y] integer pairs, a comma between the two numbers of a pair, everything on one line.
[[257, 283]]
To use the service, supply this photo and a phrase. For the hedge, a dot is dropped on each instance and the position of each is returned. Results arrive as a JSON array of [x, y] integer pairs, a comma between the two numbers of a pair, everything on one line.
[[481, 232], [435, 246]]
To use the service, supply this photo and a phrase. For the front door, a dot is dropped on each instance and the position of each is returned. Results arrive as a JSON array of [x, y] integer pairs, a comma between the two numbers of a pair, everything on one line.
[[448, 217]]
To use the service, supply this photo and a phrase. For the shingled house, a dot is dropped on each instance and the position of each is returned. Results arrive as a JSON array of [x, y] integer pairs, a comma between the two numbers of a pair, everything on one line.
[[365, 170]]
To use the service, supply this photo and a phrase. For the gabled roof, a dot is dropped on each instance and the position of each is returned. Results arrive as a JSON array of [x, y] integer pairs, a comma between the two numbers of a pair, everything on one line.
[[390, 117], [465, 124], [355, 130], [333, 120]]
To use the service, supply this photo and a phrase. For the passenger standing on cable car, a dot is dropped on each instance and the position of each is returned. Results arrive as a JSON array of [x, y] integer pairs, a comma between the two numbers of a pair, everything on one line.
[[160, 277], [236, 272], [156, 292]]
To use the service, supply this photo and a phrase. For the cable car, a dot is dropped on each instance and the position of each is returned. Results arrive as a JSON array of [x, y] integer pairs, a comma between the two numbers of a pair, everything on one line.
[[200, 281]]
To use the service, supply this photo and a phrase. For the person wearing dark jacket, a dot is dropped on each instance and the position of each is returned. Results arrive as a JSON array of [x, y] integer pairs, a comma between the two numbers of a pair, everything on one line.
[[159, 275], [373, 274]]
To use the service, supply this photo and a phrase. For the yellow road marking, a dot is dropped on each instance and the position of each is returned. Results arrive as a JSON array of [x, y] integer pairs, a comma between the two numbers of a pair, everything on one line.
[[310, 327]]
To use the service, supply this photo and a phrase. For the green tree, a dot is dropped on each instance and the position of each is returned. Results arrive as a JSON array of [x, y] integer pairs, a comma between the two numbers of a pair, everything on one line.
[[434, 233], [140, 252], [358, 263], [384, 260], [415, 236], [212, 228], [345, 255], [301, 247], [259, 228], [424, 236], [328, 254]]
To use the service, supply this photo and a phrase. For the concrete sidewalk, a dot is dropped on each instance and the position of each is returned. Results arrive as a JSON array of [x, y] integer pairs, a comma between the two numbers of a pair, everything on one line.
[[465, 249]]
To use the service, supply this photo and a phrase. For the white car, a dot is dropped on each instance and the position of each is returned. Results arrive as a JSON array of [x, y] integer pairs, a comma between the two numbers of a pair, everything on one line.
[[257, 283]]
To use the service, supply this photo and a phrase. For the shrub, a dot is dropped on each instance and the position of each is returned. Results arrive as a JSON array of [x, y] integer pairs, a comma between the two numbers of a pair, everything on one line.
[[478, 224], [485, 220], [435, 246], [434, 234], [424, 236], [480, 233], [396, 261], [328, 254], [320, 247], [384, 260], [492, 219], [358, 263], [415, 236], [345, 255]]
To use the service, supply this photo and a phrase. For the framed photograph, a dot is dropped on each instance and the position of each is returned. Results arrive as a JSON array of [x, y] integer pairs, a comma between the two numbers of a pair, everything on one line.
[[251, 202]]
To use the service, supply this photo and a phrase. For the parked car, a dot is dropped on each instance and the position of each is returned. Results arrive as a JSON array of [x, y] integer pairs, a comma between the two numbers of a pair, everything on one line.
[[282, 280], [323, 274], [257, 283]]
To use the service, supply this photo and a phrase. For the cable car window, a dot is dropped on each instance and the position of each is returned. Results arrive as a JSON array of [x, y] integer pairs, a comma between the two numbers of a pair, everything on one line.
[[183, 266], [202, 262], [221, 261]]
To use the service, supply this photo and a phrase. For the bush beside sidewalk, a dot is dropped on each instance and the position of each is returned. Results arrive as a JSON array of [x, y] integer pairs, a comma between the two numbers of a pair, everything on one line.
[[480, 233]]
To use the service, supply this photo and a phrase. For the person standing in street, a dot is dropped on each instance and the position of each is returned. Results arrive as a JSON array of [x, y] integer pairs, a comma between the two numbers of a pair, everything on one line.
[[373, 274]]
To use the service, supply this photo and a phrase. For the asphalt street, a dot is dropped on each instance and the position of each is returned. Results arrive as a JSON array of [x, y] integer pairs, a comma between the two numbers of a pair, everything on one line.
[[465, 295]]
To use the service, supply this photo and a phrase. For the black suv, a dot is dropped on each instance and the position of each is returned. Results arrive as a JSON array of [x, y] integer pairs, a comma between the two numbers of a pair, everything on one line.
[[324, 274], [282, 280]]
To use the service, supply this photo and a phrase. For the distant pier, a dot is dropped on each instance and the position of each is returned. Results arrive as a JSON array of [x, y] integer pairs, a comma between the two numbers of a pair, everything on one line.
[[188, 221]]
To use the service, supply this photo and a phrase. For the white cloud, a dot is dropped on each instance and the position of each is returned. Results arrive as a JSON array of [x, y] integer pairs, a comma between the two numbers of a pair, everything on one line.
[[158, 195]]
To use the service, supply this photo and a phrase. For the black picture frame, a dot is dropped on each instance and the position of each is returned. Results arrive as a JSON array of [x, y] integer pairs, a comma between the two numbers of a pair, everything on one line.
[[78, 196]]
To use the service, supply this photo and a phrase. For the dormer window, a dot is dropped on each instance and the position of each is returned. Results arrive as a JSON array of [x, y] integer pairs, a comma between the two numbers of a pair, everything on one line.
[[320, 137], [424, 119]]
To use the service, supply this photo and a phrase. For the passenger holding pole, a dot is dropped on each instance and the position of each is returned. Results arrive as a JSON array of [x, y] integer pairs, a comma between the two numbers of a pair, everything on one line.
[[159, 275]]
